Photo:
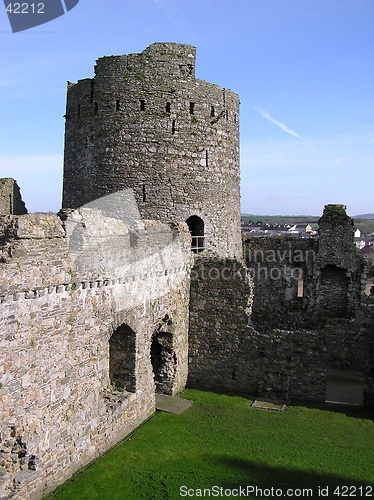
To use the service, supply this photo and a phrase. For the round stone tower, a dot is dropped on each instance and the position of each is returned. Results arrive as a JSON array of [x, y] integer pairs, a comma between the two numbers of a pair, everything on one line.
[[146, 123]]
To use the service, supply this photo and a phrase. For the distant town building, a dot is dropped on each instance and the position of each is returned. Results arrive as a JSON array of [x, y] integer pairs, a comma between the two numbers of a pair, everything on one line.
[[254, 229]]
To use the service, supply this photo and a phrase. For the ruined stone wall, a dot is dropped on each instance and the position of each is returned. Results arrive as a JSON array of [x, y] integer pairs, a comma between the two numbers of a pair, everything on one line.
[[10, 198], [283, 342], [220, 307], [303, 282], [59, 406], [230, 352], [146, 123]]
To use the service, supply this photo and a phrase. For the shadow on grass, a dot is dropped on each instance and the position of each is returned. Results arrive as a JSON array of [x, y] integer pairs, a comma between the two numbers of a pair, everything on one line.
[[361, 412], [264, 477]]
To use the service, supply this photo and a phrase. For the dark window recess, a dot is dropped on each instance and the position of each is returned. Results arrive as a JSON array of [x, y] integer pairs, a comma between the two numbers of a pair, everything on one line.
[[144, 193], [118, 107], [168, 107], [142, 105], [235, 118], [96, 108], [227, 115], [173, 127], [122, 355], [206, 158], [212, 112], [79, 110], [192, 108]]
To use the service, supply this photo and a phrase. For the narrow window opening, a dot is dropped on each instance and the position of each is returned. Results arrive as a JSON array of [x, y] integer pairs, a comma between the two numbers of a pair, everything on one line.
[[196, 227], [212, 112], [117, 105], [173, 127], [168, 107], [206, 158], [235, 118], [79, 110], [144, 193], [192, 108], [300, 284], [142, 105], [227, 114], [96, 107], [11, 204]]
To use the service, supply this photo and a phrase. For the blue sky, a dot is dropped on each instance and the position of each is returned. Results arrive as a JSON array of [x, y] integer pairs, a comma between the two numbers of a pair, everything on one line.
[[304, 71]]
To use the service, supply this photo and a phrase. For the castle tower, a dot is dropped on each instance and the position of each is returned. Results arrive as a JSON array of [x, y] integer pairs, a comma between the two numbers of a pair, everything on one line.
[[146, 123]]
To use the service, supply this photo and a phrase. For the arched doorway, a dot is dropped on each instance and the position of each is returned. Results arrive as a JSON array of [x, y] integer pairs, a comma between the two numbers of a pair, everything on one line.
[[196, 227], [163, 357], [122, 359]]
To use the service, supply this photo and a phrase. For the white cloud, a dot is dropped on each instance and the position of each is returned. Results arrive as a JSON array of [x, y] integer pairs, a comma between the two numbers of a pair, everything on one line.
[[340, 160], [281, 125]]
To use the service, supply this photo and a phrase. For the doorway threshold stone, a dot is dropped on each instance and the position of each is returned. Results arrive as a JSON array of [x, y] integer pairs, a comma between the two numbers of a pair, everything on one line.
[[171, 404]]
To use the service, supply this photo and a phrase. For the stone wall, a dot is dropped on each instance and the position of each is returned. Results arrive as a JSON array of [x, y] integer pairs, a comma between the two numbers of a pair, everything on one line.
[[10, 198], [267, 330], [145, 123], [61, 404], [220, 307]]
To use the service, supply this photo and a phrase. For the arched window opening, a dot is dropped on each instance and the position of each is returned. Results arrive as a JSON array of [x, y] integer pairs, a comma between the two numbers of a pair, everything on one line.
[[122, 359], [196, 227]]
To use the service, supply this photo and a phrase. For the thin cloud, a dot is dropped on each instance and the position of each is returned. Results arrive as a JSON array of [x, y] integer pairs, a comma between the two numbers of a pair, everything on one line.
[[340, 160], [281, 125], [175, 15]]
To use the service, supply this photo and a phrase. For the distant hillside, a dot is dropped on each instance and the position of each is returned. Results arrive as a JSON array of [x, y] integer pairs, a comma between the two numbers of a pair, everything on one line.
[[290, 219], [364, 216]]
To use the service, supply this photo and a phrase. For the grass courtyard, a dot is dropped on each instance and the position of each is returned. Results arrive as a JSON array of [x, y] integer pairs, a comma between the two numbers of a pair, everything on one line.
[[221, 444]]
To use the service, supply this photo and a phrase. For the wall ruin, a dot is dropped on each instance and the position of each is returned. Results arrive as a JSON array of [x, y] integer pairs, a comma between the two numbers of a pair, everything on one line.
[[11, 202], [309, 315], [61, 406]]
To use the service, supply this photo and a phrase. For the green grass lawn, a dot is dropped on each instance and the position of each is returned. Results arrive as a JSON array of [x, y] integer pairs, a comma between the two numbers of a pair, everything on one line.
[[221, 441]]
